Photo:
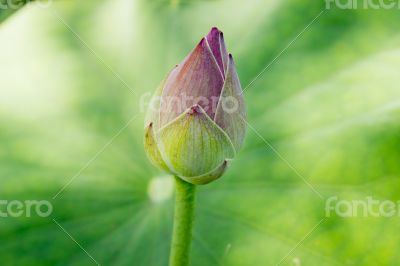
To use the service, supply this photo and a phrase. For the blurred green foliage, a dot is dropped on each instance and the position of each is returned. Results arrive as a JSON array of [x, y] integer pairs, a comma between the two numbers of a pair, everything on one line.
[[72, 75]]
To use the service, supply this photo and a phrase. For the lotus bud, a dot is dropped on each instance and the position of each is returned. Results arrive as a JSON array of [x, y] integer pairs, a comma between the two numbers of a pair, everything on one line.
[[196, 119]]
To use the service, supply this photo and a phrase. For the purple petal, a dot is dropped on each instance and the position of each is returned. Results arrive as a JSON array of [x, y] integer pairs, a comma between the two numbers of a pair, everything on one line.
[[197, 80], [213, 39]]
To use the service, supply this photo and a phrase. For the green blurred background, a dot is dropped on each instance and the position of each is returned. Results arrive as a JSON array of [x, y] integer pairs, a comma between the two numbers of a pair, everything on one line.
[[72, 75]]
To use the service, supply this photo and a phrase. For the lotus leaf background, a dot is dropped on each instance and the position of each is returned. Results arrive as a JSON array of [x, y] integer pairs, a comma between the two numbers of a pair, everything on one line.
[[328, 108]]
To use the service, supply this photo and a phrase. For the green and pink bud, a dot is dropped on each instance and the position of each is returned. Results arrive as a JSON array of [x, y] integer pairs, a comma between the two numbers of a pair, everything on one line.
[[196, 120]]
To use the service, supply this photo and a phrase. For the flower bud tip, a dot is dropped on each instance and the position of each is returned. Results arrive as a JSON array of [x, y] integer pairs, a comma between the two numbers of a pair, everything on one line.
[[195, 109], [202, 41]]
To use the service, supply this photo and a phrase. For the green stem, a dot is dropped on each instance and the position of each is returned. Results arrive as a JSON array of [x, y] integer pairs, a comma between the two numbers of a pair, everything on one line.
[[183, 222]]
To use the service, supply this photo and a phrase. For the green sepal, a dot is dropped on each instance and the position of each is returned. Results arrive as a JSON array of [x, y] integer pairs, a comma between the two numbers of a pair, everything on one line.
[[193, 145]]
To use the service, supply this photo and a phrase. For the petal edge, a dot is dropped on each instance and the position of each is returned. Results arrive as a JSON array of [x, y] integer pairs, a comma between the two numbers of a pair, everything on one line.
[[208, 177], [152, 150], [232, 121]]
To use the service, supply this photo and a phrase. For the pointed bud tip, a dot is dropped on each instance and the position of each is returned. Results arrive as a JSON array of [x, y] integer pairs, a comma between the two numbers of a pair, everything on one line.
[[213, 32], [202, 44], [195, 109], [148, 129]]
